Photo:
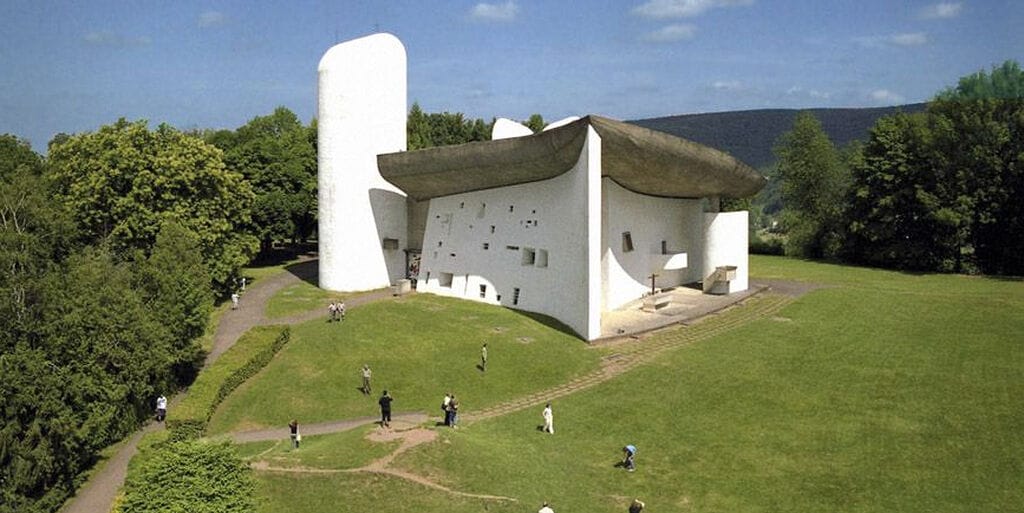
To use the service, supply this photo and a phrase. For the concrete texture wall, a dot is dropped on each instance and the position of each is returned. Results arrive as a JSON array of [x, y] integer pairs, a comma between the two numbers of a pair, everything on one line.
[[649, 221], [361, 113], [726, 244], [534, 237]]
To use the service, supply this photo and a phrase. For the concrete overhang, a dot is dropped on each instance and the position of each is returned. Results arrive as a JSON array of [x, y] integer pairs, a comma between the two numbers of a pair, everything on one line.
[[639, 159]]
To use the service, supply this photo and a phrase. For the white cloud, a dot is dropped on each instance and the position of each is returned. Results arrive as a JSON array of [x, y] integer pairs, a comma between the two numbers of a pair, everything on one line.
[[211, 19], [671, 33], [108, 38], [942, 10], [907, 39], [885, 96], [727, 85], [495, 12], [665, 9], [812, 93]]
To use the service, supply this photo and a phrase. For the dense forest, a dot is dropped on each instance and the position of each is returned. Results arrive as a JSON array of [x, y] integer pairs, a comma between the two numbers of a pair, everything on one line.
[[115, 246]]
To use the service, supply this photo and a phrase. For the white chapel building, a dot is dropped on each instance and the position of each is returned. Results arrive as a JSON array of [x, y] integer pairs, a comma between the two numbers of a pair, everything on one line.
[[578, 220]]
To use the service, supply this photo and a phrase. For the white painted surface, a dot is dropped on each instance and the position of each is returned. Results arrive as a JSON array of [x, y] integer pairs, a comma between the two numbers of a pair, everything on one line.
[[361, 113], [726, 244], [649, 221], [545, 216], [561, 122], [506, 129]]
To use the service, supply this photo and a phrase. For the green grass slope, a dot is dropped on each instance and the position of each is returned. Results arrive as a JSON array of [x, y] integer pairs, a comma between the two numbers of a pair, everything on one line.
[[418, 347], [879, 392]]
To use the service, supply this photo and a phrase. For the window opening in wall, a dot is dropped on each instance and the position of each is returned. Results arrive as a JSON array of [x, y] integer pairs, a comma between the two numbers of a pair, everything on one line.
[[462, 204], [529, 256], [664, 247], [435, 254], [483, 291], [445, 280], [451, 255], [499, 298], [627, 242], [533, 212], [483, 210], [389, 243], [542, 258], [487, 246], [511, 208], [492, 228], [515, 296], [513, 248]]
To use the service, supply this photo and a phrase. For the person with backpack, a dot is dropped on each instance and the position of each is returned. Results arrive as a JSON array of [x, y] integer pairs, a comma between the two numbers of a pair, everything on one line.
[[629, 457]]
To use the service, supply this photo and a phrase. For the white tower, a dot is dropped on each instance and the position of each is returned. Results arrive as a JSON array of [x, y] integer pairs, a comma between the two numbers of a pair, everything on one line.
[[361, 114]]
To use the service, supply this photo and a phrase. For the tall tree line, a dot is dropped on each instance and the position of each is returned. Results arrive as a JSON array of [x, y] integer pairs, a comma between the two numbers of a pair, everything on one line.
[[941, 190]]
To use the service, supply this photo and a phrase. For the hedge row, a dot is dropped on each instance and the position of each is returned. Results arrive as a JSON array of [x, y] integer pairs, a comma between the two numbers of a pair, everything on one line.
[[252, 352]]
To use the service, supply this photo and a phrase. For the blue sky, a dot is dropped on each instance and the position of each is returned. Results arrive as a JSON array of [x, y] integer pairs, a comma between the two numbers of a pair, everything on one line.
[[73, 66]]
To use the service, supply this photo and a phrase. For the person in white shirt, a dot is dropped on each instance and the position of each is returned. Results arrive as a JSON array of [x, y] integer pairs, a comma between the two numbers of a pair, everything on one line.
[[549, 419], [234, 301], [161, 408], [546, 509]]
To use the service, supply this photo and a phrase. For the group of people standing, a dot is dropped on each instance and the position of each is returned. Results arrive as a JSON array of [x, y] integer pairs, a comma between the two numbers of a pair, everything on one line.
[[636, 506], [336, 311], [450, 407]]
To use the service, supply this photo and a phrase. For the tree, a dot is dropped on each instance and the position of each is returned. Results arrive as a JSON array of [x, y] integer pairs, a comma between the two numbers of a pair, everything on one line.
[[17, 154], [535, 123], [275, 155], [443, 129], [175, 289], [813, 188], [124, 180], [980, 135], [898, 213]]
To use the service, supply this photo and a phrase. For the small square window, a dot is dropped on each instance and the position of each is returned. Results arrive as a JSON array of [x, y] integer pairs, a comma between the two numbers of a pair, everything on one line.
[[483, 291], [515, 296], [492, 228], [529, 256], [627, 242], [511, 208], [487, 246]]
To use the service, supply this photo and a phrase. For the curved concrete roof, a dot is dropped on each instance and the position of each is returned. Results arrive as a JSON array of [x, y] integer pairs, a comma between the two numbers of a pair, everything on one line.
[[639, 159]]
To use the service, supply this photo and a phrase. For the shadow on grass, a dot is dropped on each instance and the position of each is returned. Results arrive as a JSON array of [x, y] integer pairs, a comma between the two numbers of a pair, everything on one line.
[[280, 255], [308, 271], [548, 321]]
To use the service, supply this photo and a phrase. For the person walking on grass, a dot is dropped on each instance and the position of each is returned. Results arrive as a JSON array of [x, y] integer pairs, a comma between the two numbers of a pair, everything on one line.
[[483, 358], [234, 301], [161, 408], [341, 310], [332, 311], [385, 409], [366, 379], [637, 506], [545, 508], [549, 419], [293, 427]]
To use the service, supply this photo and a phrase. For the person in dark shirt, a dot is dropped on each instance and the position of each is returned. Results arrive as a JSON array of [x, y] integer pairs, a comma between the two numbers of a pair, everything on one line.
[[293, 426], [637, 506], [385, 409]]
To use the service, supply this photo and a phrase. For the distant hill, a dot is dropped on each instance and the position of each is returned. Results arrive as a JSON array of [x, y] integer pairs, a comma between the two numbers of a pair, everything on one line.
[[750, 134]]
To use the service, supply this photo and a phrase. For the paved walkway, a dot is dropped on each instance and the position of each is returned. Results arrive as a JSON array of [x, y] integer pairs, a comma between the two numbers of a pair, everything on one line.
[[99, 493]]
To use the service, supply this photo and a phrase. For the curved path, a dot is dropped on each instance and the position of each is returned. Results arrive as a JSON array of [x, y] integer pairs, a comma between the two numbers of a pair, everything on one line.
[[100, 491]]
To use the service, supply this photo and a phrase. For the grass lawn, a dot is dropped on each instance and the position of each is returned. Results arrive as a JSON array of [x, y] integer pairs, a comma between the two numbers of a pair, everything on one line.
[[345, 450], [882, 392], [298, 298], [419, 347]]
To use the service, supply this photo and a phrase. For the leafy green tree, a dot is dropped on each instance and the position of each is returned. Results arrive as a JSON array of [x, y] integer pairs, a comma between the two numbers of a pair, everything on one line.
[[535, 123], [898, 216], [278, 159], [124, 180], [980, 135], [428, 130], [191, 476], [175, 289], [17, 154], [814, 185]]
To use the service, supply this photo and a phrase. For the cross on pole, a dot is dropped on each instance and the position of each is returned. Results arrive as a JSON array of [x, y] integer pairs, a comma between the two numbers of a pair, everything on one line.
[[652, 277]]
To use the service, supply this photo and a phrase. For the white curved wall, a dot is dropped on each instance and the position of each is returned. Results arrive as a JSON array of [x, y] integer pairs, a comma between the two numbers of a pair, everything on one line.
[[505, 128], [361, 113], [557, 219], [726, 244], [649, 220]]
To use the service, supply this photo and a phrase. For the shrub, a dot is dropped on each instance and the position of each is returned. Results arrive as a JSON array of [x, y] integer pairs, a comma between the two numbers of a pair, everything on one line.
[[191, 476], [250, 354]]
